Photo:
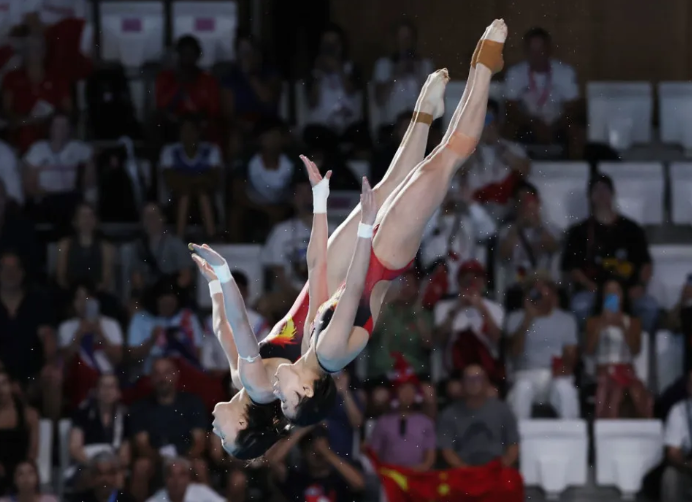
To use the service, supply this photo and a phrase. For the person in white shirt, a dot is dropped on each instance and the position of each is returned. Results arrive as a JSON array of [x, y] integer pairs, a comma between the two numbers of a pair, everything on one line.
[[398, 78], [677, 438], [9, 173], [178, 485], [542, 93]]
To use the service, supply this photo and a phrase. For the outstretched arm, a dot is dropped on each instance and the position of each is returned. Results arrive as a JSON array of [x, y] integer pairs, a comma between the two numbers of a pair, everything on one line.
[[341, 344]]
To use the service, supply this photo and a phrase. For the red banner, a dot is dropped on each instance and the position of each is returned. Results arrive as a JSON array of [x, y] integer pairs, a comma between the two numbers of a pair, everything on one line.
[[489, 483]]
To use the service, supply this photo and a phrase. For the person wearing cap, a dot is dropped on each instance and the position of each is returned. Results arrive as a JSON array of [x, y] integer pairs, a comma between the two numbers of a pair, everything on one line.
[[608, 244], [471, 325], [543, 350]]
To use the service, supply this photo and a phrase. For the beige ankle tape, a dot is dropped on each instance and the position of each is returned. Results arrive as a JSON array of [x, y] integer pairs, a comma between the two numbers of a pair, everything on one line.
[[461, 144], [490, 55], [422, 118]]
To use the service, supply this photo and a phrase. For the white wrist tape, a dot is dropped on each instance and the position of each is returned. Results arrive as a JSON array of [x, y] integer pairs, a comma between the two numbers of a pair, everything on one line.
[[223, 273], [364, 231], [250, 359], [215, 288], [320, 194]]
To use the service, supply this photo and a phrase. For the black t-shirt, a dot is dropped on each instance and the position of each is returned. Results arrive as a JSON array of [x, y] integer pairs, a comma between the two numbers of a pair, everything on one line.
[[21, 349], [170, 424], [88, 419], [620, 249], [302, 487]]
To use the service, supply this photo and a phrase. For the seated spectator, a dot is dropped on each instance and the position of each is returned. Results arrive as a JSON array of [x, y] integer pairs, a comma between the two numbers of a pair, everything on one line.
[[169, 424], [542, 95], [451, 238], [213, 358], [477, 429], [158, 254], [31, 95], [609, 244], [343, 178], [169, 329], [101, 424], [17, 233], [398, 78], [496, 167], [18, 433], [526, 245], [10, 176], [346, 416], [320, 473], [124, 182], [405, 437], [543, 347], [614, 339], [26, 485], [91, 345], [252, 89], [178, 486], [262, 185], [334, 96], [192, 173], [85, 257], [470, 326], [59, 172], [27, 339], [106, 476], [187, 89]]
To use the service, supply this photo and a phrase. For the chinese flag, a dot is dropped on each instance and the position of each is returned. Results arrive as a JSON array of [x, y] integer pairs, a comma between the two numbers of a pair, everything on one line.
[[489, 483]]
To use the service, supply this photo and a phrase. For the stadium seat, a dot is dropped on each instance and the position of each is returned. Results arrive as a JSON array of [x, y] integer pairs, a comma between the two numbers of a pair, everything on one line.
[[675, 113], [244, 257], [639, 189], [553, 454], [454, 91], [562, 187], [672, 265], [214, 24], [669, 350], [681, 192], [45, 451], [619, 113], [625, 451], [132, 32]]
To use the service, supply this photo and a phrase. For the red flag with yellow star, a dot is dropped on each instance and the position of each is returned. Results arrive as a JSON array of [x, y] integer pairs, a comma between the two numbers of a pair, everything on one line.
[[489, 483]]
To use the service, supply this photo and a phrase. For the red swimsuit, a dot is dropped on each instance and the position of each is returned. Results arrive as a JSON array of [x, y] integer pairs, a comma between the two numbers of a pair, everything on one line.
[[286, 338]]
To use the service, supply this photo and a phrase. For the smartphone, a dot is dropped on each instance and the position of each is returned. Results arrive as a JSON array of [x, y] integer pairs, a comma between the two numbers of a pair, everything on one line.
[[92, 309], [611, 303]]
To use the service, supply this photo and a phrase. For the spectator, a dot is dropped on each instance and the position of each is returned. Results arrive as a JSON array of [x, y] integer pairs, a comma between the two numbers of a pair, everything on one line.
[[106, 477], [186, 89], [346, 416], [85, 256], [192, 171], [178, 486], [469, 326], [59, 172], [614, 338], [27, 340], [262, 185], [334, 94], [252, 89], [405, 437], [497, 166], [158, 255], [30, 95], [319, 475], [677, 480], [398, 78], [541, 94], [18, 433], [605, 244], [17, 233], [526, 245], [543, 346], [343, 178], [10, 176], [90, 344], [167, 425], [173, 331], [451, 238], [27, 485], [101, 424], [477, 429]]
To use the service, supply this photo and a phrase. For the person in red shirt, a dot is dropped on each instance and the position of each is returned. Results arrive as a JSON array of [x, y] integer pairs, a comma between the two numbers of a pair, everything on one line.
[[31, 95], [187, 89]]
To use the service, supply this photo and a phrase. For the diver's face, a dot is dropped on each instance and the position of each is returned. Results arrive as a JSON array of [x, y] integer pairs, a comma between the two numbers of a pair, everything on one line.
[[290, 386], [229, 420]]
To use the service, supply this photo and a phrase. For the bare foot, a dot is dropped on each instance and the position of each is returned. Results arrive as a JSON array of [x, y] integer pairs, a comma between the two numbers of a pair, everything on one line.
[[497, 31], [432, 96]]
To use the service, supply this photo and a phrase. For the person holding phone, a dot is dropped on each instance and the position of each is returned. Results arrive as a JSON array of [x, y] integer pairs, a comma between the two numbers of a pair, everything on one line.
[[614, 338]]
